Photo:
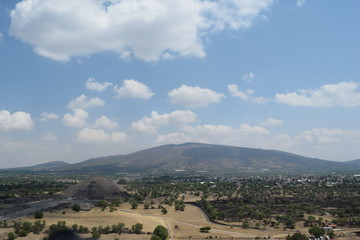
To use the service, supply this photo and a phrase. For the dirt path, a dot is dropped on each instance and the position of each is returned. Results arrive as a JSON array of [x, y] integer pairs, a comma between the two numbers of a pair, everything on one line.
[[213, 230]]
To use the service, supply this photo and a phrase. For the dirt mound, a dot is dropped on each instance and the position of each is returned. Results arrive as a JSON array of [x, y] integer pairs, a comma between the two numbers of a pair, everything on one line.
[[95, 188]]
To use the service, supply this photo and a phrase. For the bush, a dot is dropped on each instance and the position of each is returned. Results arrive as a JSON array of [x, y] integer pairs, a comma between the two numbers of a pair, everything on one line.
[[205, 229], [136, 228], [161, 232], [76, 207], [39, 214]]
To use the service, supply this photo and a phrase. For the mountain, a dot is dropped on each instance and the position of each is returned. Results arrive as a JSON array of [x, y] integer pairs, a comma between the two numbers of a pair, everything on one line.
[[202, 157], [41, 167], [355, 163]]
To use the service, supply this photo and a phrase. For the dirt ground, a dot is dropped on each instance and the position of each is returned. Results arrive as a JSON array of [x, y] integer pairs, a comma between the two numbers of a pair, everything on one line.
[[181, 225]]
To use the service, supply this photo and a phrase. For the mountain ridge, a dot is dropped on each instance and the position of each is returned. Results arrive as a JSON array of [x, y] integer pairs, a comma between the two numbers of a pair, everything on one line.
[[201, 157], [198, 157]]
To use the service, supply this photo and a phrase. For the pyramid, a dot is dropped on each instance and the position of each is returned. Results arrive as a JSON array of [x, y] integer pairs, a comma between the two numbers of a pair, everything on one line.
[[95, 188]]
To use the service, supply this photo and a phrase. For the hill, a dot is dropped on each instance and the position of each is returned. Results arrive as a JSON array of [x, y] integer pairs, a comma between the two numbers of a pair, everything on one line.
[[202, 157], [49, 166]]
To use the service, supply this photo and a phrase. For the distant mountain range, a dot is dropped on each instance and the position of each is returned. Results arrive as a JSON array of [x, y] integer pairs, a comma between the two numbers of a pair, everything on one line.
[[200, 157], [44, 166]]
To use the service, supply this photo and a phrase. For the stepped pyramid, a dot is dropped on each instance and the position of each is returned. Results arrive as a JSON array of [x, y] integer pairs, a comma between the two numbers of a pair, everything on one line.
[[95, 188]]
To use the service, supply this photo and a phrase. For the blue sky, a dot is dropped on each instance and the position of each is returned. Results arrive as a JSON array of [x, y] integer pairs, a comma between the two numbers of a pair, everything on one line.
[[88, 78]]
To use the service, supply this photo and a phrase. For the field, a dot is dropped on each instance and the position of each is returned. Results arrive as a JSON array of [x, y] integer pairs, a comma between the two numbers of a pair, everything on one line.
[[181, 224]]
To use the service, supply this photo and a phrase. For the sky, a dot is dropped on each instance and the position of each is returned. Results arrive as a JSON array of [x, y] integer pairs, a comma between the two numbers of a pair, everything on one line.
[[89, 78]]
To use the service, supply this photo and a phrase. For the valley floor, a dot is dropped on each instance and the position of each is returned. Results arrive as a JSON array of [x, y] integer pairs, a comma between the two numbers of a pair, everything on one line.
[[181, 224]]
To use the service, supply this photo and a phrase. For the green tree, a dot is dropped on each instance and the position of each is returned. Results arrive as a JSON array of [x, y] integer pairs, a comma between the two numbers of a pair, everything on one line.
[[205, 229], [96, 235], [134, 205], [11, 236], [164, 210], [136, 228], [39, 214], [76, 207], [297, 236], [154, 237], [317, 231], [245, 224], [161, 232]]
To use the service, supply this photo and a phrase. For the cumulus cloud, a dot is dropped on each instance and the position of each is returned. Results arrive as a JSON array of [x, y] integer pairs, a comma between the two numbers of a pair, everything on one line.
[[152, 123], [172, 138], [245, 95], [245, 135], [84, 102], [90, 135], [49, 136], [77, 119], [15, 121], [343, 94], [104, 122], [45, 116], [193, 97], [300, 3], [93, 85], [272, 122], [248, 77], [61, 29], [133, 89], [324, 135]]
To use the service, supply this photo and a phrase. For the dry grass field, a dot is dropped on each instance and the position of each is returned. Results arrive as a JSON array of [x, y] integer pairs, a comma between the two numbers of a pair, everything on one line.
[[182, 225]]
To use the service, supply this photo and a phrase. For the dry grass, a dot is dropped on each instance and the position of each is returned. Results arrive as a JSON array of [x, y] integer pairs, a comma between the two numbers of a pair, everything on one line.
[[188, 223]]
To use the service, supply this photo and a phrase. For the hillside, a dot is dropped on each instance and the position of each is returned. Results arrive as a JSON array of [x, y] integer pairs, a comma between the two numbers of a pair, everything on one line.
[[41, 167], [201, 157]]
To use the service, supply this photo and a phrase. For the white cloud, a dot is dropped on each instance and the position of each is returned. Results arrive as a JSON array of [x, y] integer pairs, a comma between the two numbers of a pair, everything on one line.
[[245, 135], [15, 121], [93, 85], [246, 129], [104, 122], [343, 94], [245, 95], [61, 29], [300, 3], [49, 136], [248, 77], [78, 119], [323, 135], [272, 122], [133, 89], [84, 102], [45, 116], [172, 138], [193, 97], [151, 124], [1, 36], [209, 130], [89, 135]]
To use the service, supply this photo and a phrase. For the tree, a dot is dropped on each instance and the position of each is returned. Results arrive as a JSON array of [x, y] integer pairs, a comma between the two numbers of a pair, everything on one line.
[[39, 214], [96, 235], [297, 236], [154, 237], [76, 207], [134, 205], [164, 210], [245, 224], [205, 229], [136, 228], [117, 228], [11, 236], [161, 232], [317, 231]]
